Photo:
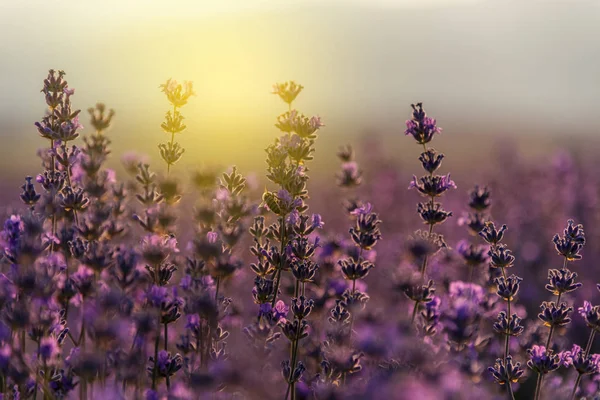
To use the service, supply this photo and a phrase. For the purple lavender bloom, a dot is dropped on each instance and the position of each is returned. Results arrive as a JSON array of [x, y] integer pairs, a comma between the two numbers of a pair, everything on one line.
[[317, 221], [591, 314], [157, 296], [48, 348], [552, 315], [421, 127], [505, 371], [562, 281], [432, 185], [541, 360], [280, 311], [473, 255]]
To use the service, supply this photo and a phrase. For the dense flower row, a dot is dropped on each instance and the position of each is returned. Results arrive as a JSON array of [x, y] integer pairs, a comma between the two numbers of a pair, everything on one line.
[[107, 291]]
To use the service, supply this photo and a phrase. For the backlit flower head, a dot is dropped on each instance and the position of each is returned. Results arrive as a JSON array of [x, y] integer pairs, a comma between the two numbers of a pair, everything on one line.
[[176, 93], [287, 91]]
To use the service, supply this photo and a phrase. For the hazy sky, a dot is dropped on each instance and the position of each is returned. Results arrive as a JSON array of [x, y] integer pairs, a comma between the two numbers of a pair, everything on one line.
[[481, 67]]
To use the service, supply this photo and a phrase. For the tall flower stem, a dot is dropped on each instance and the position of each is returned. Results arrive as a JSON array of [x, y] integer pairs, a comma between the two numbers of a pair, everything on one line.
[[538, 386], [590, 342], [588, 347], [156, 345], [508, 315], [172, 139], [277, 273]]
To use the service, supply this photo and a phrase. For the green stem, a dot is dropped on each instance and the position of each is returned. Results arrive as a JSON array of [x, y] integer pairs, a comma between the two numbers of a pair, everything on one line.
[[576, 386], [538, 387], [281, 253], [590, 342], [155, 367], [166, 336], [510, 391], [414, 312]]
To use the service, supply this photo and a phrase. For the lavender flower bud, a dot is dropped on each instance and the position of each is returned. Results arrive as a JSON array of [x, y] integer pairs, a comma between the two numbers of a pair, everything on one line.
[[421, 293], [501, 257], [287, 91], [302, 307], [354, 270], [421, 127], [508, 288], [431, 160], [492, 235], [472, 254], [295, 330], [366, 233], [304, 271], [562, 281], [505, 372], [432, 186], [583, 364], [29, 195], [541, 360], [167, 365], [432, 214], [591, 314], [555, 316], [506, 327], [480, 198], [571, 243]]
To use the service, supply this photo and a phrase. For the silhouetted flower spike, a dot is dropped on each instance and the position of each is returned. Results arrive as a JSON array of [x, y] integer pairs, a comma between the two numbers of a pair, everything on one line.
[[480, 198], [287, 91], [233, 182], [421, 293], [173, 122], [431, 160], [171, 152], [350, 175], [304, 271], [346, 154], [575, 232], [302, 307], [167, 365], [295, 330], [541, 360], [354, 270], [492, 235], [306, 127], [52, 182], [29, 196], [176, 93], [501, 257], [562, 281], [421, 127], [73, 200], [571, 243], [509, 287], [552, 315], [432, 186], [505, 371], [432, 214], [366, 233], [99, 120], [506, 327], [472, 254]]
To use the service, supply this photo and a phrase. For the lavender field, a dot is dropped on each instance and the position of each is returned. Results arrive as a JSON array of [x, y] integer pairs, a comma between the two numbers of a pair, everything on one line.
[[400, 260]]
